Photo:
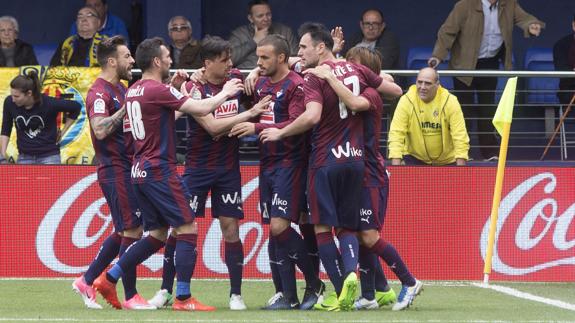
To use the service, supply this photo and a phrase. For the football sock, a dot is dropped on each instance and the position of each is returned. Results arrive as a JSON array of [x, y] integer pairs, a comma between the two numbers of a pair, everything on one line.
[[129, 276], [366, 272], [349, 248], [136, 254], [276, 278], [185, 258], [169, 268], [235, 262], [108, 251], [391, 257], [331, 259], [311, 245]]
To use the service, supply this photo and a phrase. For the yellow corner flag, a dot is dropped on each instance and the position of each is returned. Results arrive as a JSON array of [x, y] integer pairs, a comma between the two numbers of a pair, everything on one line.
[[504, 112], [502, 122]]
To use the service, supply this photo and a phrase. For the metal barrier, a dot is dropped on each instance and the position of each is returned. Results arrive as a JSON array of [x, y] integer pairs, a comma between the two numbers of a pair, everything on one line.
[[537, 111]]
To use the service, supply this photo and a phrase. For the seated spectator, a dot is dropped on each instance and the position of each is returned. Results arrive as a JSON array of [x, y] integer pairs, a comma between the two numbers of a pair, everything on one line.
[[374, 35], [14, 51], [184, 50], [80, 49], [564, 60], [110, 25], [34, 115], [244, 39], [428, 126]]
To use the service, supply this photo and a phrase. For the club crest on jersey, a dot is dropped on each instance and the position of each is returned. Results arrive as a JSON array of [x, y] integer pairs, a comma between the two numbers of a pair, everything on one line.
[[99, 105], [227, 109], [177, 94], [279, 93], [268, 116]]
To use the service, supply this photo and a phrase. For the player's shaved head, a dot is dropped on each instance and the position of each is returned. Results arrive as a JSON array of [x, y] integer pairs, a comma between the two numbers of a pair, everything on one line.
[[279, 43]]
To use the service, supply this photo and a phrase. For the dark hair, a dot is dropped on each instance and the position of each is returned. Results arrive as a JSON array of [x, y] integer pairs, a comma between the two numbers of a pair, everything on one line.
[[213, 46], [279, 43], [368, 57], [147, 51], [255, 3], [318, 33], [104, 2], [108, 48], [28, 82], [375, 10]]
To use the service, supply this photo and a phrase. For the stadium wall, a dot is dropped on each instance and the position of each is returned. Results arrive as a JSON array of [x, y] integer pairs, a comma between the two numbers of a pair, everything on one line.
[[54, 218]]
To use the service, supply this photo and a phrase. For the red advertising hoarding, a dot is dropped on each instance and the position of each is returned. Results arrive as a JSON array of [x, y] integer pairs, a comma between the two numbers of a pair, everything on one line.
[[53, 220]]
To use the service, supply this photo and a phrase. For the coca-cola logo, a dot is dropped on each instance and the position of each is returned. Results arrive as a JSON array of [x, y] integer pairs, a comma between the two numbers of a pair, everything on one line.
[[83, 235], [540, 228]]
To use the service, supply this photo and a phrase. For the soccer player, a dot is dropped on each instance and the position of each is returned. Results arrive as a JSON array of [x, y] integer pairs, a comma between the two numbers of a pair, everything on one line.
[[150, 107], [283, 169], [112, 140], [375, 192], [336, 162], [213, 164]]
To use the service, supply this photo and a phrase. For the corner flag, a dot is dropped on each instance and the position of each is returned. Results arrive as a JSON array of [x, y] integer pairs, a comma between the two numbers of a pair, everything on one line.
[[502, 122]]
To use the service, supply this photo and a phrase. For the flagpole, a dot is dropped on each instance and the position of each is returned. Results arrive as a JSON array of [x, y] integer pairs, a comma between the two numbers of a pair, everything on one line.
[[496, 200]]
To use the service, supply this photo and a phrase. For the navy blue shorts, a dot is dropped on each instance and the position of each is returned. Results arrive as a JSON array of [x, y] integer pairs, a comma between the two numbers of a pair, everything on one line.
[[226, 189], [282, 193], [334, 195], [123, 204], [165, 203], [373, 207]]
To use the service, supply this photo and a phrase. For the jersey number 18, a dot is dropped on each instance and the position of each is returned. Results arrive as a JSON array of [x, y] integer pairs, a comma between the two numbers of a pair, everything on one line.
[[135, 115]]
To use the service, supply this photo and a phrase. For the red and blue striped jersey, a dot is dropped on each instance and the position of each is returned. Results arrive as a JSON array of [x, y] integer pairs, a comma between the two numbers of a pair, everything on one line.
[[286, 106], [150, 106], [374, 160], [203, 152], [113, 153], [338, 137]]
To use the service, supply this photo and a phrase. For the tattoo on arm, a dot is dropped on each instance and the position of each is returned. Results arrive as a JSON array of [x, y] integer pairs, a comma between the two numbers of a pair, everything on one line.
[[105, 126]]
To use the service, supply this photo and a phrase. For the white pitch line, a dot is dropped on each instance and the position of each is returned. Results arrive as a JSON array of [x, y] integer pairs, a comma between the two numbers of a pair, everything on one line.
[[527, 296]]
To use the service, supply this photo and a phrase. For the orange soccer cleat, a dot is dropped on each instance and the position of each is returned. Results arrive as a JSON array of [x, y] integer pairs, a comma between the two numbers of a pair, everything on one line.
[[191, 304], [108, 290]]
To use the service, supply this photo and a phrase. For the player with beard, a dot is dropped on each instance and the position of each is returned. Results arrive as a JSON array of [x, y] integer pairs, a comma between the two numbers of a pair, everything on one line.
[[375, 193], [336, 162], [283, 168], [212, 164], [112, 140], [159, 189]]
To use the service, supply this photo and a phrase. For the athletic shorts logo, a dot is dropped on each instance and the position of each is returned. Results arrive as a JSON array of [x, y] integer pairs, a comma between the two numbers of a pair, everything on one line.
[[232, 199]]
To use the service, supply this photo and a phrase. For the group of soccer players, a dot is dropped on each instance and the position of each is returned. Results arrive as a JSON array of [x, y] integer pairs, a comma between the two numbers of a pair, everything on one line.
[[320, 169]]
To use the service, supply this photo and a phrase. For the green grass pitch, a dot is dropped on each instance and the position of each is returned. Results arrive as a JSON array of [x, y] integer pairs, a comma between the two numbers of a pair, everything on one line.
[[54, 301]]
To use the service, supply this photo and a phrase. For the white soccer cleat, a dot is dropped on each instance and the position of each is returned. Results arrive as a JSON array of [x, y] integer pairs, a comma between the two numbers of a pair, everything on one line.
[[161, 298], [237, 303], [365, 304], [87, 292], [275, 298], [407, 295]]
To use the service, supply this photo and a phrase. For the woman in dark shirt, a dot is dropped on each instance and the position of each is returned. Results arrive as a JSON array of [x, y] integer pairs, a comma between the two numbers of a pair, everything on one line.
[[34, 115]]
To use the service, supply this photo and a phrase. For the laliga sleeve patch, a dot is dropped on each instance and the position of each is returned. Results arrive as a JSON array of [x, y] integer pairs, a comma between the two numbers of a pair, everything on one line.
[[196, 94], [99, 106], [177, 94]]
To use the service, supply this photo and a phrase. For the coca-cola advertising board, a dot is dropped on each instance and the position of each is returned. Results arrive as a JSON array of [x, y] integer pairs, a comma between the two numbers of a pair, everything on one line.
[[54, 219]]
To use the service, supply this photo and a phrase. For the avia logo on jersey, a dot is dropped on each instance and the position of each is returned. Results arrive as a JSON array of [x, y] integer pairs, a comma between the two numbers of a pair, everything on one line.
[[282, 204], [137, 172], [347, 152], [227, 109], [232, 199], [194, 203], [268, 116]]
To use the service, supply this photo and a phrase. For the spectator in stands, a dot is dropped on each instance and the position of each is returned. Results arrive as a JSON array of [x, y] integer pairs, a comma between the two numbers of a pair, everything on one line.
[[244, 39], [428, 126], [479, 34], [110, 25], [80, 49], [564, 60], [34, 115], [184, 50], [14, 51], [374, 35]]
